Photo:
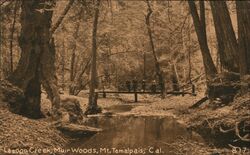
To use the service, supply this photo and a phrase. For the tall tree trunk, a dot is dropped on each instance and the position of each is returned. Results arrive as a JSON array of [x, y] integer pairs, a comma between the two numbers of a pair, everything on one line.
[[175, 78], [63, 65], [199, 25], [243, 17], [73, 62], [92, 105], [36, 65], [227, 43], [144, 65], [189, 59], [48, 72], [1, 42], [12, 36], [72, 70], [159, 72]]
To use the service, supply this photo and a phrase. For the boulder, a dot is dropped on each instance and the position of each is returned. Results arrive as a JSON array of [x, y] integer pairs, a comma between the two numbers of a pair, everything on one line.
[[225, 92], [71, 111], [11, 96]]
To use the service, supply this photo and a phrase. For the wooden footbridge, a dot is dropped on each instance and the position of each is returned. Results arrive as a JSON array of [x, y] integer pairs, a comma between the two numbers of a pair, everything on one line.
[[135, 93], [154, 89]]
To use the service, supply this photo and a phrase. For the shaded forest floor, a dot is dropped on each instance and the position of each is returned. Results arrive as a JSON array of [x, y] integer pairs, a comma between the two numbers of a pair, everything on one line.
[[20, 132]]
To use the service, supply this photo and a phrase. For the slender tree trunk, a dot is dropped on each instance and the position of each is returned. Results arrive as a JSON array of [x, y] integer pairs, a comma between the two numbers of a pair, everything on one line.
[[144, 65], [37, 62], [92, 105], [227, 43], [175, 78], [73, 62], [63, 65], [1, 41], [78, 82], [72, 65], [189, 65], [12, 36], [157, 64], [199, 25], [243, 17], [72, 68]]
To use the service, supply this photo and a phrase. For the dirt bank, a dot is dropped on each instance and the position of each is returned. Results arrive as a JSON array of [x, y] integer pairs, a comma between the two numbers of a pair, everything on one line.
[[18, 132], [214, 122], [226, 126]]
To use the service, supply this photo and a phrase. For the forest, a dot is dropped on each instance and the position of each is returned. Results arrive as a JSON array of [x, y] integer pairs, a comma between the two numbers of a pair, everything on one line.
[[124, 77]]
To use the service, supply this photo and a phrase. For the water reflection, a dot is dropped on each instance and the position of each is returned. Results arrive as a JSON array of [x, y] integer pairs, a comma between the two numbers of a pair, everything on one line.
[[133, 132], [122, 108]]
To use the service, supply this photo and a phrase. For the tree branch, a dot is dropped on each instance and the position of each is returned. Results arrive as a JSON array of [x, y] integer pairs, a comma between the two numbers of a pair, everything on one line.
[[2, 3], [12, 35], [237, 132], [149, 12], [4, 6], [60, 19]]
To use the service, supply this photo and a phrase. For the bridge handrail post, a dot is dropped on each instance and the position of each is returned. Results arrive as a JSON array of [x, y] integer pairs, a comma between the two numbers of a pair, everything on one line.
[[193, 89], [136, 97]]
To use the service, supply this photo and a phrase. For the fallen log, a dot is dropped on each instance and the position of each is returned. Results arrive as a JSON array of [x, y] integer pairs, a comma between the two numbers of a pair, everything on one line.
[[77, 131], [226, 130], [198, 103], [224, 91]]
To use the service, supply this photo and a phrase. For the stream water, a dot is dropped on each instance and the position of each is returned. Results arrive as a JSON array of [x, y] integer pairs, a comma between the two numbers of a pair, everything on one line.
[[133, 135]]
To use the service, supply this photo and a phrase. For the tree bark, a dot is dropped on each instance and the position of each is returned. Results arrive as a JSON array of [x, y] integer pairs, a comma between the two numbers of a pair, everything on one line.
[[227, 43], [1, 40], [63, 65], [48, 72], [92, 104], [243, 17], [200, 29], [189, 63], [159, 72], [73, 62], [37, 62], [12, 36], [175, 78], [72, 65]]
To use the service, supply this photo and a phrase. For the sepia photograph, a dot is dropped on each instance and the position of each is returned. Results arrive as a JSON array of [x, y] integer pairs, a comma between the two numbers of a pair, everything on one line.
[[124, 77]]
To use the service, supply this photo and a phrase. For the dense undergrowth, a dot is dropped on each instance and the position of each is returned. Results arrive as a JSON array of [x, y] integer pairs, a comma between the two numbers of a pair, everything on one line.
[[225, 126]]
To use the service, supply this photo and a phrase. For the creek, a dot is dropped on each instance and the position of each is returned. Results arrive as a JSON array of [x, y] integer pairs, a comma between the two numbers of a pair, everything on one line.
[[131, 134]]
